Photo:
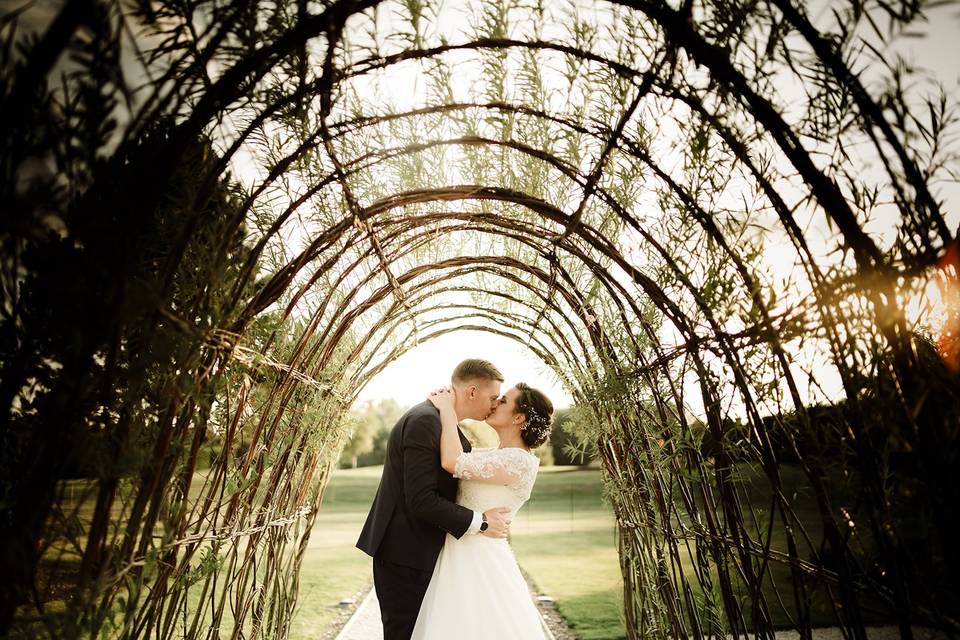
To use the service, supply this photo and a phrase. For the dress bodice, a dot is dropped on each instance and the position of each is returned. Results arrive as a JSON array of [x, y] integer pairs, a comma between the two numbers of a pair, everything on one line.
[[496, 478]]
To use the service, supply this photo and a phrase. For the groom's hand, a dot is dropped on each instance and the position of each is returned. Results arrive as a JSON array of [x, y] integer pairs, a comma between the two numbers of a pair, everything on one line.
[[497, 524]]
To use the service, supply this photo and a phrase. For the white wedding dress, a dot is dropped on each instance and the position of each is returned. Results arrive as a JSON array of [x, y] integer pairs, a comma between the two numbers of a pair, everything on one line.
[[477, 590]]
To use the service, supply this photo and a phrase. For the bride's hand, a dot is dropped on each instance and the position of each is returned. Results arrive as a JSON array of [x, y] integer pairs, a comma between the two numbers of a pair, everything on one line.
[[442, 398]]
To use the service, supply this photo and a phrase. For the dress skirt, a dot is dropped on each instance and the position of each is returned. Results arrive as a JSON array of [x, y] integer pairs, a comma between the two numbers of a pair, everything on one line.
[[477, 592]]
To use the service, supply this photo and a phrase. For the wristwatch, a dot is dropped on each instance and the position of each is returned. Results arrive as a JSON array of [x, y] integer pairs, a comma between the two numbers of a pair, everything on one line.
[[484, 524]]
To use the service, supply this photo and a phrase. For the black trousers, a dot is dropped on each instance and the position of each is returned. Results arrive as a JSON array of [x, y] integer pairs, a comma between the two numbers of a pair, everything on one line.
[[400, 591]]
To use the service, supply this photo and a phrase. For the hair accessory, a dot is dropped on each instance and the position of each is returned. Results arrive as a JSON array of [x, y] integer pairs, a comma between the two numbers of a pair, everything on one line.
[[536, 423]]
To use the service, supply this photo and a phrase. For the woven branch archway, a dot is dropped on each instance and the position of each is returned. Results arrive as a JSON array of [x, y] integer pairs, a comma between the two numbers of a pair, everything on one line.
[[656, 201]]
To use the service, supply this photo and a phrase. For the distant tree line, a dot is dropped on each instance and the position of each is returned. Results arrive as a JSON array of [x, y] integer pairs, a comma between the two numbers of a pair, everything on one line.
[[371, 422]]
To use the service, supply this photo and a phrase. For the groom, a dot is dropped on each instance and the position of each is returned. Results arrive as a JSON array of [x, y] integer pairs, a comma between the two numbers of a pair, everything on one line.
[[414, 507]]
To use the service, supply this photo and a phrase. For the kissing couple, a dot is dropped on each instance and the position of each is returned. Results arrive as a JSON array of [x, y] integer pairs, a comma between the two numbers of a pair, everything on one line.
[[437, 529]]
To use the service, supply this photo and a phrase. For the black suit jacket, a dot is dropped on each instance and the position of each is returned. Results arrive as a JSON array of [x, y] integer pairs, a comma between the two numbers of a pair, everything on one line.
[[414, 505]]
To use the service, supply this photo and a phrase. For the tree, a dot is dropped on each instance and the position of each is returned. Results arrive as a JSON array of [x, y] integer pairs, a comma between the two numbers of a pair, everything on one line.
[[370, 424]]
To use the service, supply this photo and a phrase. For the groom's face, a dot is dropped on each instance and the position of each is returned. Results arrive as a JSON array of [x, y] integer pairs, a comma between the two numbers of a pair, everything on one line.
[[482, 397]]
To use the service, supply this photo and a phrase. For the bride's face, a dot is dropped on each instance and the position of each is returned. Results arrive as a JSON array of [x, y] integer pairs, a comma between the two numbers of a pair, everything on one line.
[[505, 414]]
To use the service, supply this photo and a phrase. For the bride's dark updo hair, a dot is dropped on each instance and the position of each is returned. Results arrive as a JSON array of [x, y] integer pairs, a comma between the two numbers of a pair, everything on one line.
[[539, 412]]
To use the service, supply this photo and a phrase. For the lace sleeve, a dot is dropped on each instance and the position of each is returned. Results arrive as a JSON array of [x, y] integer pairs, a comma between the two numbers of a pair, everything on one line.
[[496, 466]]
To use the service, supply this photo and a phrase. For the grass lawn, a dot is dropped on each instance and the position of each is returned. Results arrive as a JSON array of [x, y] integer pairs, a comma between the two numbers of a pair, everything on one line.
[[333, 568], [563, 538]]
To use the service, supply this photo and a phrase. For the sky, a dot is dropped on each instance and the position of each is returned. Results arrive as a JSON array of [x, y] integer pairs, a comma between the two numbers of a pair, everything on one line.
[[410, 378]]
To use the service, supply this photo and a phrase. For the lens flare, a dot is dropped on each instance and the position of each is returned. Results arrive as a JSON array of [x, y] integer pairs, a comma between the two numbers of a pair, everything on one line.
[[947, 288]]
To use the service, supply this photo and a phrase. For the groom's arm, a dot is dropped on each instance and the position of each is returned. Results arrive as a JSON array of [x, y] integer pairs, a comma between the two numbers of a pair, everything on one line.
[[421, 462]]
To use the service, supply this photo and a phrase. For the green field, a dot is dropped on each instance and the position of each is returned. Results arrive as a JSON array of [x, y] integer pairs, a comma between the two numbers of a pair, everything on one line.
[[333, 569], [563, 538]]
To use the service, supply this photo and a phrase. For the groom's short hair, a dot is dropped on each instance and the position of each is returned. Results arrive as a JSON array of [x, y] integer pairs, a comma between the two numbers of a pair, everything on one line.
[[475, 368]]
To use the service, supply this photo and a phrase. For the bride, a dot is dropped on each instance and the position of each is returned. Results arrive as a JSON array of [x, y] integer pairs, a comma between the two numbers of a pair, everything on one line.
[[476, 590]]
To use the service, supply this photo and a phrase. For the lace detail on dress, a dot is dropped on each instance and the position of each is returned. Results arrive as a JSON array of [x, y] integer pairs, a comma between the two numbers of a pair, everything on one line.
[[512, 467]]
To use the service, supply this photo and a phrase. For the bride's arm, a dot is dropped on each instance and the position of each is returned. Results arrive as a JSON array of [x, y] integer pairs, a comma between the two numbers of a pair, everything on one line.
[[450, 446], [505, 467]]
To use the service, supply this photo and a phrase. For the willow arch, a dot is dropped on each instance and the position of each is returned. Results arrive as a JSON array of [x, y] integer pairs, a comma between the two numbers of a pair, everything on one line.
[[267, 305]]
